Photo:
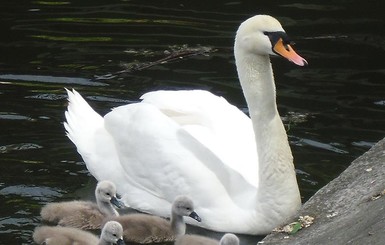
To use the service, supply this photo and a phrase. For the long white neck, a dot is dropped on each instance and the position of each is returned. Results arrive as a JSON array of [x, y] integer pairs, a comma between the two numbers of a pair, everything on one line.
[[278, 188]]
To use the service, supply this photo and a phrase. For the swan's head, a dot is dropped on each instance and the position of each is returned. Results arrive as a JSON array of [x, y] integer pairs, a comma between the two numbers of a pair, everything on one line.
[[264, 35], [112, 233], [105, 192]]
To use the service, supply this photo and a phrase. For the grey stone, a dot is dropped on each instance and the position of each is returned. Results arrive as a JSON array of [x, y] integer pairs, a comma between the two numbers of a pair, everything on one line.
[[348, 210]]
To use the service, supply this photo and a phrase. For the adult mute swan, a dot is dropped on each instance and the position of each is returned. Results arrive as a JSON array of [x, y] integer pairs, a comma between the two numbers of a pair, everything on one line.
[[238, 171]]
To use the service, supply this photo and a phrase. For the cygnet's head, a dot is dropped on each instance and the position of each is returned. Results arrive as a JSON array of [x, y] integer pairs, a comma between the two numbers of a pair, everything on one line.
[[105, 192], [184, 206], [229, 239], [112, 232]]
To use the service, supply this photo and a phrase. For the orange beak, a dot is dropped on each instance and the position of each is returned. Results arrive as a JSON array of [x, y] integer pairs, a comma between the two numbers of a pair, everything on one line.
[[285, 50]]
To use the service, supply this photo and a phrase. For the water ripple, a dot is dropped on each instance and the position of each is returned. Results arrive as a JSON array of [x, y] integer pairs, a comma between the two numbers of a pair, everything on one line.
[[320, 145], [19, 147], [47, 96], [52, 79], [45, 194], [13, 116]]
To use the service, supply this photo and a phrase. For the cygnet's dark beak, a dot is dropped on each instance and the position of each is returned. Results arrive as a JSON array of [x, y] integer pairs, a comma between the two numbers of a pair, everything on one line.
[[120, 242], [195, 216], [118, 196], [116, 202]]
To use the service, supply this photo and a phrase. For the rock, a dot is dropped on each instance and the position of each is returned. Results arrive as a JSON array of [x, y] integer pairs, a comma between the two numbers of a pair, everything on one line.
[[348, 210]]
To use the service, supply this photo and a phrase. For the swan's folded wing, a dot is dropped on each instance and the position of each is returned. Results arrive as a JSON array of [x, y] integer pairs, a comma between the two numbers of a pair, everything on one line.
[[163, 158], [152, 158], [217, 124]]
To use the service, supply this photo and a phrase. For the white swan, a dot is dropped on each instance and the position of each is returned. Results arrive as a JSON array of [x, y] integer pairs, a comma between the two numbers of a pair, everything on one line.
[[238, 171]]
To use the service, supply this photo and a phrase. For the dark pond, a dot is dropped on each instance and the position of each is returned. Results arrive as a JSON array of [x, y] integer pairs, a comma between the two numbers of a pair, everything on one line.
[[334, 109]]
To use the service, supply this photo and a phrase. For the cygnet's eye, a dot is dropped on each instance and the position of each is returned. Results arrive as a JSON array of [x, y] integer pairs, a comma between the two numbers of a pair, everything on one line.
[[108, 194], [114, 235]]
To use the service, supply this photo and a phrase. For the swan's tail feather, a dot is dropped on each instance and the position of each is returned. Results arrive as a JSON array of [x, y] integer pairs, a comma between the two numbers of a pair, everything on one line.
[[81, 120], [85, 128]]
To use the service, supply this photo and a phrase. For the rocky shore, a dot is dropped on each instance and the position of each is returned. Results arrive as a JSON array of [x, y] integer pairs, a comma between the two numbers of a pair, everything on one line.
[[348, 210]]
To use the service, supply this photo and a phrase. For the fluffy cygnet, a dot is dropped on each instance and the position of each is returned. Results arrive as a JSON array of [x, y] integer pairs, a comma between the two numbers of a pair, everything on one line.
[[144, 228], [112, 233], [84, 214]]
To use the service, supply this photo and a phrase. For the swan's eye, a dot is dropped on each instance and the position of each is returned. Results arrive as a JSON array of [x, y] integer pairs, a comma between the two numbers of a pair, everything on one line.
[[274, 36], [114, 235], [286, 41], [277, 36], [108, 194], [286, 45]]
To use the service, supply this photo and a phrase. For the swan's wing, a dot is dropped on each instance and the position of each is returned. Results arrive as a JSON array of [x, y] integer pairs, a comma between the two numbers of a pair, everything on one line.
[[87, 131], [162, 158], [152, 158], [214, 122]]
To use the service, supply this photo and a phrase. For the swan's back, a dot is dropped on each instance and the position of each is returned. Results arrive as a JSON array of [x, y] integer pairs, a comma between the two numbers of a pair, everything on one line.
[[214, 122]]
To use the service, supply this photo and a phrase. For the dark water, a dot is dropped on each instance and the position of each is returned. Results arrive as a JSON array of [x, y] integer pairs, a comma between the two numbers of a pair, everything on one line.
[[334, 109]]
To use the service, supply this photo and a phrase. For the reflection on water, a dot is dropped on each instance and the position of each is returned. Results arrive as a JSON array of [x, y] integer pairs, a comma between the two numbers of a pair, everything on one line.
[[333, 109], [50, 79]]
